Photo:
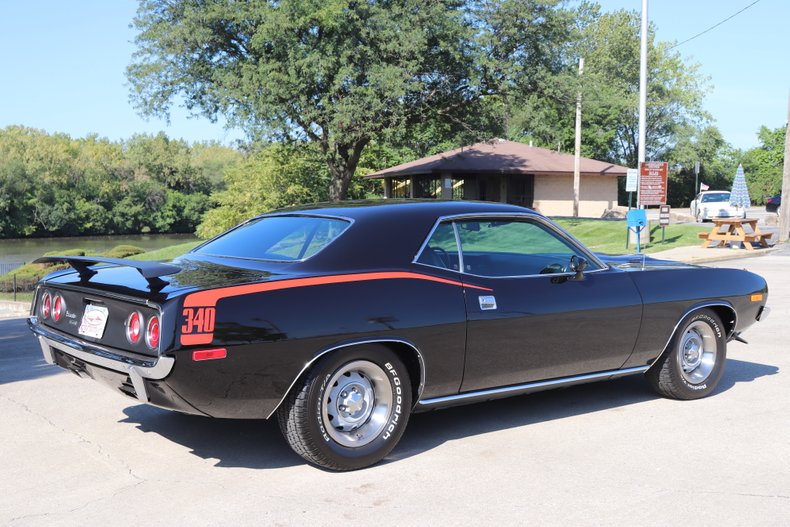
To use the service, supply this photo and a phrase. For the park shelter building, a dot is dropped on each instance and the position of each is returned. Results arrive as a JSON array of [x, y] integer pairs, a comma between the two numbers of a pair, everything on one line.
[[507, 172]]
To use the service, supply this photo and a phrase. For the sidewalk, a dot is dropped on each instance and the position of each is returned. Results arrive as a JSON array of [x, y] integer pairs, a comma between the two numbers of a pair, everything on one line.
[[696, 254]]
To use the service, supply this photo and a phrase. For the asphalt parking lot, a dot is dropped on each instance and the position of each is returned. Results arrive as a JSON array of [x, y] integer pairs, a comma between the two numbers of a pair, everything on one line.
[[73, 453]]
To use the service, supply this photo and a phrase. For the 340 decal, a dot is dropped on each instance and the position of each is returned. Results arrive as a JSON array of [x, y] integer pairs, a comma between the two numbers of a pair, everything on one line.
[[198, 320]]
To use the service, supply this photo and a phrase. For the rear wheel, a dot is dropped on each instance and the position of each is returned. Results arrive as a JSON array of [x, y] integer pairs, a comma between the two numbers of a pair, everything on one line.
[[350, 410], [693, 363]]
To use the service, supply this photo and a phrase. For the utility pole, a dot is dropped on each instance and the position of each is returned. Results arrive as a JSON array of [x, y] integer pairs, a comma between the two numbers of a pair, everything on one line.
[[578, 147], [696, 179], [642, 101], [784, 211]]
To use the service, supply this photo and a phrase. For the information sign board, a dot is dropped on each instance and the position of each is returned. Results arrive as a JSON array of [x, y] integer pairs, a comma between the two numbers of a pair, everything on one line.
[[630, 179], [653, 183]]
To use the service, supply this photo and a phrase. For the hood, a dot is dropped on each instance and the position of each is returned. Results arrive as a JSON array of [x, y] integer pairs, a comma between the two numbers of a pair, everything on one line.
[[640, 262]]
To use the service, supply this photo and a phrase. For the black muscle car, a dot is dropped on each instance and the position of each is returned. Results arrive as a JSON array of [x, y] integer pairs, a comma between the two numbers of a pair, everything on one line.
[[341, 320]]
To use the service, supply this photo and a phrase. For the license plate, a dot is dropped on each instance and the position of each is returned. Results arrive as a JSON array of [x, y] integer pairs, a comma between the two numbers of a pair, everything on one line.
[[93, 321]]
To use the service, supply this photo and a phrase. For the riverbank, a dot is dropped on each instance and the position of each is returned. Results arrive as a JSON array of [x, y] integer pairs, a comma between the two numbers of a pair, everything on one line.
[[15, 252]]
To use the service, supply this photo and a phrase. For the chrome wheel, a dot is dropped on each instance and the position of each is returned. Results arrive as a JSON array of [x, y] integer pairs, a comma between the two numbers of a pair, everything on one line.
[[357, 403], [697, 352]]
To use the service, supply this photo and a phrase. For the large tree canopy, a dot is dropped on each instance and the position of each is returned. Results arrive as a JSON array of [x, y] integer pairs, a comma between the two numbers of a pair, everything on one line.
[[609, 44], [338, 73]]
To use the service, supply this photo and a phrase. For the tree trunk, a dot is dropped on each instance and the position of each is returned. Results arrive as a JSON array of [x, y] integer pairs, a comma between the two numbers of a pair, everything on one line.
[[342, 166]]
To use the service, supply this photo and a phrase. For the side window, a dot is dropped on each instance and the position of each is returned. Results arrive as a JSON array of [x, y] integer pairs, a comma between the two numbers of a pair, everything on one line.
[[441, 249], [513, 248]]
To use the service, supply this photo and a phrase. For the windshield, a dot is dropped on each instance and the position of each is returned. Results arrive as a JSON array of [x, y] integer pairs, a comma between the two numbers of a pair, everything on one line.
[[718, 197], [280, 238]]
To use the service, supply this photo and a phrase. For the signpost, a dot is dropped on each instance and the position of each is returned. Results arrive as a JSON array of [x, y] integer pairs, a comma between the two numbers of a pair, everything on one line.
[[653, 183], [663, 219]]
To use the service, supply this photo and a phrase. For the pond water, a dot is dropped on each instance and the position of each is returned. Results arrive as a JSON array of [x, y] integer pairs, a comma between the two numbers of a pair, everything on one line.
[[22, 250]]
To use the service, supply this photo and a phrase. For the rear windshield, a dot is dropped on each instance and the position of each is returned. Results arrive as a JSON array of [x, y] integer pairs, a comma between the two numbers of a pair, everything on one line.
[[280, 238], [716, 198]]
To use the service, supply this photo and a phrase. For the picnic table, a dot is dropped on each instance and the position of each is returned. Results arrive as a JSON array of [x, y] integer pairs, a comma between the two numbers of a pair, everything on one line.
[[732, 230]]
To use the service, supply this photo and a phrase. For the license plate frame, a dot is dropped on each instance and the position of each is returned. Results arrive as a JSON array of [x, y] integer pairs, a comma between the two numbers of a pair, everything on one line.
[[94, 321]]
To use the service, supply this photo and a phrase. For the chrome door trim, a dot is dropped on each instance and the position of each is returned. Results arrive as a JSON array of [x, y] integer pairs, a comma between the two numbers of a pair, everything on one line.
[[505, 391]]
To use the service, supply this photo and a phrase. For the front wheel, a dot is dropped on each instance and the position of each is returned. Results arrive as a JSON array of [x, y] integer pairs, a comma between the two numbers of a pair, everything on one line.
[[350, 410], [693, 363]]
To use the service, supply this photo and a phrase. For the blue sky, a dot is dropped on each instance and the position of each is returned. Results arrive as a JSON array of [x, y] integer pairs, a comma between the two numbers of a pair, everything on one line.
[[63, 63]]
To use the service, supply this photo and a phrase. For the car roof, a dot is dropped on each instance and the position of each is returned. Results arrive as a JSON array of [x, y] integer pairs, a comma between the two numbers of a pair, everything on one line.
[[388, 232]]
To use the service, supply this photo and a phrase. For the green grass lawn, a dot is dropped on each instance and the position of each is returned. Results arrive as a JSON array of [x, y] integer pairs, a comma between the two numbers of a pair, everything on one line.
[[167, 253], [608, 236]]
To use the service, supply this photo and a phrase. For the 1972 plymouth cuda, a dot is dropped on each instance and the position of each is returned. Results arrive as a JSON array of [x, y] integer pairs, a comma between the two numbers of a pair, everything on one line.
[[341, 320]]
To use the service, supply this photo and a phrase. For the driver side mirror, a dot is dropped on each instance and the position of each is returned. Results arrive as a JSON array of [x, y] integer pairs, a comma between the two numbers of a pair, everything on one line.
[[578, 265]]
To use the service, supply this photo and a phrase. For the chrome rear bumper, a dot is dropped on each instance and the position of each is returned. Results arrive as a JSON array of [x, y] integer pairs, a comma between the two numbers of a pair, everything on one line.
[[137, 367]]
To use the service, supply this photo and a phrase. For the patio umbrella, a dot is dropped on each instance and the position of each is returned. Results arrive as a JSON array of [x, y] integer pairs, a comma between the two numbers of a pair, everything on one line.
[[739, 195]]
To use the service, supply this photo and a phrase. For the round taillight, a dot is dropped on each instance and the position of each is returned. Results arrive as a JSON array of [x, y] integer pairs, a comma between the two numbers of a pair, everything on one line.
[[152, 333], [46, 305], [134, 327], [58, 307]]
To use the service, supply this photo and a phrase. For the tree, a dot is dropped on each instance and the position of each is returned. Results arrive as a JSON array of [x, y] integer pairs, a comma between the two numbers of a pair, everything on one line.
[[337, 73], [718, 162], [763, 164], [55, 185], [609, 43], [521, 48], [276, 176]]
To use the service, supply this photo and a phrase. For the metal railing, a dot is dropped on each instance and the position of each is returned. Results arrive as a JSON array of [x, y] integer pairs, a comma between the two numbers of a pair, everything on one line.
[[8, 284], [7, 267]]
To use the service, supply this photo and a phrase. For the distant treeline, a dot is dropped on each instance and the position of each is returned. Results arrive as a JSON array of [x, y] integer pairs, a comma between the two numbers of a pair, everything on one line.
[[55, 185]]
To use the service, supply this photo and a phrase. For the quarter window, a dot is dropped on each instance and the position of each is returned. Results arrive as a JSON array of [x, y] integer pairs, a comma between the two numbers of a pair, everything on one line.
[[441, 249]]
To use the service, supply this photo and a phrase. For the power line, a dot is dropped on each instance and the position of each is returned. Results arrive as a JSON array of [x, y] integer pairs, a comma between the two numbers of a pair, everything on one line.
[[714, 26]]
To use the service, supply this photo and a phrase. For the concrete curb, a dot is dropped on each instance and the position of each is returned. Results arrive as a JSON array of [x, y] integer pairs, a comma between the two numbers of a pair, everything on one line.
[[725, 254], [11, 309]]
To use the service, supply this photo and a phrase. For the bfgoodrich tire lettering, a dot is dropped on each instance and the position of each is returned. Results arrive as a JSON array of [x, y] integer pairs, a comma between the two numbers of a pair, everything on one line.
[[693, 363], [350, 410]]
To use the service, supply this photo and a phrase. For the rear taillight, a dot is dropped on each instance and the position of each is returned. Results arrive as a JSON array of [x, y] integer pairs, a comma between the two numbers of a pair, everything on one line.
[[134, 327], [58, 307], [46, 305], [152, 333]]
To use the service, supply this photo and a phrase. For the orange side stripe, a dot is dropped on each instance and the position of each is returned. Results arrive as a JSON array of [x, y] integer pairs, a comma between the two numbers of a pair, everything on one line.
[[210, 297]]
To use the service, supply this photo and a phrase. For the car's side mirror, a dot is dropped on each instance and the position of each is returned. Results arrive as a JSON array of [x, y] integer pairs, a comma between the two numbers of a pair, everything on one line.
[[578, 265]]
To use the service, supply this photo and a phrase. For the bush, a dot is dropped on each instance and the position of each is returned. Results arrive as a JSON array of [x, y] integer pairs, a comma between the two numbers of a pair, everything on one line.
[[123, 251]]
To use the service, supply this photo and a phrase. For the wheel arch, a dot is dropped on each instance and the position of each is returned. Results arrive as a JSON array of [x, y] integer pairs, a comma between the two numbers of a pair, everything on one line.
[[406, 351], [724, 310]]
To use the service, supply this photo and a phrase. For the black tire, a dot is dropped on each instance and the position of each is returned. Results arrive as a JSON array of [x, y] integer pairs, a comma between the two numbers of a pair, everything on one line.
[[373, 383], [692, 364]]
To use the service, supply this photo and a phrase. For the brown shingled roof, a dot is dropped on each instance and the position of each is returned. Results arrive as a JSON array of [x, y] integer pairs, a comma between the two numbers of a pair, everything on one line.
[[500, 156]]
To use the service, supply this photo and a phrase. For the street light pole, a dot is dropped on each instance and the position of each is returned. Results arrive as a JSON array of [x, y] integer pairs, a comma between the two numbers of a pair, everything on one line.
[[642, 101], [577, 146]]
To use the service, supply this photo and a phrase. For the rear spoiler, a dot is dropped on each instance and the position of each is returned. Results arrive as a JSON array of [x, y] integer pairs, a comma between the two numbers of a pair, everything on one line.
[[151, 271]]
